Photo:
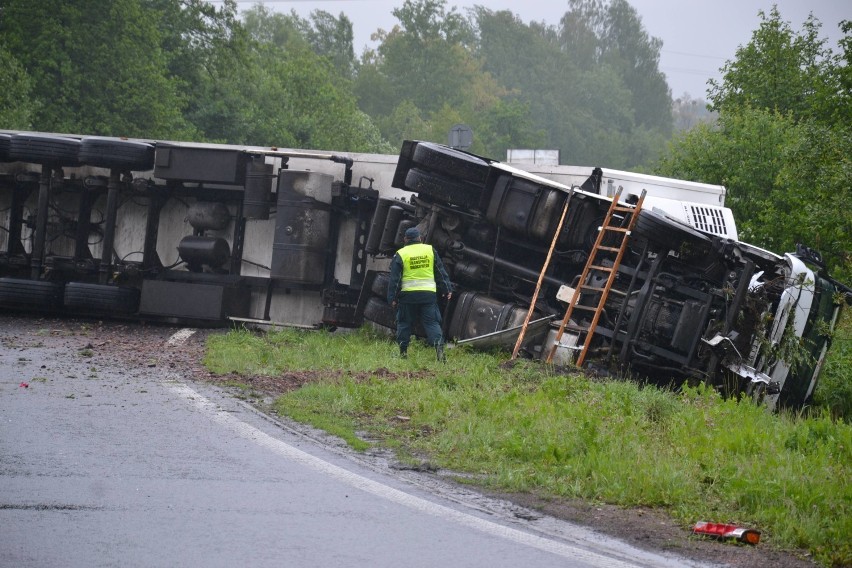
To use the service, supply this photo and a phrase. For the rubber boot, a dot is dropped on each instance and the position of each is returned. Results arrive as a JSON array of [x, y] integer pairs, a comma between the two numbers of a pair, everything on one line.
[[439, 351], [403, 351]]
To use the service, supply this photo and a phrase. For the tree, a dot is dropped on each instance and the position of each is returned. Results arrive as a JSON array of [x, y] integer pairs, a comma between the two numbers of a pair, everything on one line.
[[508, 125], [283, 93], [581, 103], [423, 72], [406, 122], [780, 70], [841, 73], [687, 112], [785, 162], [95, 68], [744, 152], [210, 57], [596, 33], [326, 35], [261, 83], [332, 38], [426, 61], [626, 46], [16, 106]]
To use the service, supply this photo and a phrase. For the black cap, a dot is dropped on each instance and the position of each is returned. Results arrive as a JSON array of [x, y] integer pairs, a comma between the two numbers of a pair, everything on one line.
[[412, 234]]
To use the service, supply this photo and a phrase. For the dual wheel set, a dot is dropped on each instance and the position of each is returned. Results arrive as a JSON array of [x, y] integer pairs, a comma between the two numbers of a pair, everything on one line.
[[53, 153], [82, 298]]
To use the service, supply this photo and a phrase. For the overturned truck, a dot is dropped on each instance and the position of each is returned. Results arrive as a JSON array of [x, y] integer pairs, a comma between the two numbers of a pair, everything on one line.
[[621, 271]]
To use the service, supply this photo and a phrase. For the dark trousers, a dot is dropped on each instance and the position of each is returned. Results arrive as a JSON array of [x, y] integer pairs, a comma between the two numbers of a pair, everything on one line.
[[428, 314]]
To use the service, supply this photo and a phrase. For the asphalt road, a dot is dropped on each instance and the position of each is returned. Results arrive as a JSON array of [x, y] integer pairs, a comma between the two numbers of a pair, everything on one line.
[[103, 465]]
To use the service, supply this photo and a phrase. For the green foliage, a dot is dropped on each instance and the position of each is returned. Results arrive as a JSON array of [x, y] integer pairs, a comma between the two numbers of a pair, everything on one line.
[[264, 85], [182, 70], [779, 147], [834, 391], [780, 70], [423, 73], [332, 38], [325, 35], [521, 427], [520, 85], [16, 107], [592, 86], [95, 68], [624, 44], [787, 182], [194, 70]]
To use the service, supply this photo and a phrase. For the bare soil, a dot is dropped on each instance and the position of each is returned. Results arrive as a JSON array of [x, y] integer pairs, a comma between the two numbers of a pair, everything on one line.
[[652, 529]]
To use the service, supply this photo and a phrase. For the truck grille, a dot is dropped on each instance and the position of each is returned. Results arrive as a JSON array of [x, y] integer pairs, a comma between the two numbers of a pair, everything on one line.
[[708, 219]]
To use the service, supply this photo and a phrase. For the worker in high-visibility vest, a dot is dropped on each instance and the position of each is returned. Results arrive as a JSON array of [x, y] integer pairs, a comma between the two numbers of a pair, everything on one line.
[[417, 276]]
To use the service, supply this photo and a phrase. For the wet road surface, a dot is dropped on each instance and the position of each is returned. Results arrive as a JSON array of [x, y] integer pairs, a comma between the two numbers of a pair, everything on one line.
[[108, 466]]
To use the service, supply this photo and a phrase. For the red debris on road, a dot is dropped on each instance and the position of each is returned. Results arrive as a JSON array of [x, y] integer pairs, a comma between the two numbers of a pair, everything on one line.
[[720, 530]]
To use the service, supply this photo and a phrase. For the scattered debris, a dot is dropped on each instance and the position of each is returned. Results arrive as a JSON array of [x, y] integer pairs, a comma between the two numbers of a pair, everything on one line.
[[725, 531]]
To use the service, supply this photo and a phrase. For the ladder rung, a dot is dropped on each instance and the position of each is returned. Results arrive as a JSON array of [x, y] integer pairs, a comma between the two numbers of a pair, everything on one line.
[[624, 209], [569, 347], [612, 249], [604, 268], [619, 229], [587, 308]]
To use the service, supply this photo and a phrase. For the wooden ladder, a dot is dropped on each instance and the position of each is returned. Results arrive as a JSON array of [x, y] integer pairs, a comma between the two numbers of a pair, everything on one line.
[[616, 230]]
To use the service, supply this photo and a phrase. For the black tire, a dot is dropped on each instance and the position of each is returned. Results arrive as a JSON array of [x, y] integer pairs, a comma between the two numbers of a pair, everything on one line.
[[444, 189], [450, 162], [30, 295], [110, 153], [5, 143], [660, 230], [101, 299], [380, 312], [44, 149], [380, 285]]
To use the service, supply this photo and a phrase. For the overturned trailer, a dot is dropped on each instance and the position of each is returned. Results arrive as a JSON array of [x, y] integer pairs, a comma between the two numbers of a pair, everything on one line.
[[205, 234]]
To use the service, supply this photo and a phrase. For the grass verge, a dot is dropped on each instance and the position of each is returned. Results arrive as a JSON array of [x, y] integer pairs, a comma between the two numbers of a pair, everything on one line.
[[523, 427]]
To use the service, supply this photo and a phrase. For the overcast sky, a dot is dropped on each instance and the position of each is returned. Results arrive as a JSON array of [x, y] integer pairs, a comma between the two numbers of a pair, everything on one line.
[[698, 35]]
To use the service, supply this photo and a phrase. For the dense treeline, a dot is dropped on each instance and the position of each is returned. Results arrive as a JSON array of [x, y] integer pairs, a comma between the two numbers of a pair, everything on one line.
[[174, 69], [589, 86], [186, 69]]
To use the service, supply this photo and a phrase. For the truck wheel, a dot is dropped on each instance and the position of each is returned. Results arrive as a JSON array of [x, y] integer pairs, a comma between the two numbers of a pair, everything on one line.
[[380, 312], [449, 162], [101, 298], [5, 142], [663, 231], [30, 295], [119, 154], [440, 188], [44, 149]]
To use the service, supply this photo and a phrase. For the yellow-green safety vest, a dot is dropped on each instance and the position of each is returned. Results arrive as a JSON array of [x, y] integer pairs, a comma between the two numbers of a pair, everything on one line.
[[418, 273]]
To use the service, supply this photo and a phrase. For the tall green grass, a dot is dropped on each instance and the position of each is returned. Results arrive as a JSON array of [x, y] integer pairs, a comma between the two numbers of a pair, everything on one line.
[[522, 427], [835, 389]]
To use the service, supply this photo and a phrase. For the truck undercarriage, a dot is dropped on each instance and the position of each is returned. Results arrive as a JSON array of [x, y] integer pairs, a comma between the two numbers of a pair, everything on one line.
[[210, 234]]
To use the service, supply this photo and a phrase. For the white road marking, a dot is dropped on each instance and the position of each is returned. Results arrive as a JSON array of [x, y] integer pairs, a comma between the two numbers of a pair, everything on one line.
[[259, 437], [180, 336]]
